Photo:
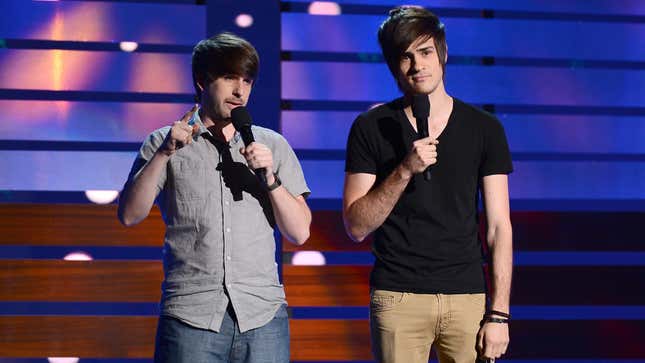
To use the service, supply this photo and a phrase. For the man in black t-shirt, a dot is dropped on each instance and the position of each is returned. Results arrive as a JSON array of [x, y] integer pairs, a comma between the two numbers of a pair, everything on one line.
[[427, 285]]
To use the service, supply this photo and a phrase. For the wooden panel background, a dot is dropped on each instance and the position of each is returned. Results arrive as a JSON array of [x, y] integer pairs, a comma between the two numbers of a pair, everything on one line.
[[75, 225], [315, 339], [338, 286]]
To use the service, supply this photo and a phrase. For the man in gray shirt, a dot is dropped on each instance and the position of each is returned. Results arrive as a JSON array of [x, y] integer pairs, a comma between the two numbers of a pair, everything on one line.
[[222, 300]]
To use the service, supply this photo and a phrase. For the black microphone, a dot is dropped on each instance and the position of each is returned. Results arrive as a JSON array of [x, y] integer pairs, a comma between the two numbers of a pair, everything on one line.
[[421, 112], [242, 123]]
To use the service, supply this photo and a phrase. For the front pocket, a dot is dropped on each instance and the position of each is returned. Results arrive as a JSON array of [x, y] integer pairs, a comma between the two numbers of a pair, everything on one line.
[[189, 179], [383, 300]]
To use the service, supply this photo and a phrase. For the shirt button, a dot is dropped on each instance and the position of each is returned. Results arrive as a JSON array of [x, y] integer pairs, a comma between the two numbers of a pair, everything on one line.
[[228, 285], [228, 230], [228, 258], [226, 202]]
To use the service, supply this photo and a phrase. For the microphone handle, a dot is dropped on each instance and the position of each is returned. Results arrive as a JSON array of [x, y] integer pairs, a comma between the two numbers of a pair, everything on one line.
[[426, 174], [261, 173], [423, 132]]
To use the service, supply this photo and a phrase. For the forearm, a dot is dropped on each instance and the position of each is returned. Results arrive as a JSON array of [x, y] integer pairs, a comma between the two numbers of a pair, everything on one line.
[[367, 213], [139, 194], [500, 242], [292, 215]]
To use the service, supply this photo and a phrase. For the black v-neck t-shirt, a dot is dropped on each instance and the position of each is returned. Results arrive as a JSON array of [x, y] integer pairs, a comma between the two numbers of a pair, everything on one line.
[[429, 243]]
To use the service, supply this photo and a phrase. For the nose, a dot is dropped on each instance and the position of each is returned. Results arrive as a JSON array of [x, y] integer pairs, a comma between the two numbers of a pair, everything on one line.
[[238, 87], [414, 66]]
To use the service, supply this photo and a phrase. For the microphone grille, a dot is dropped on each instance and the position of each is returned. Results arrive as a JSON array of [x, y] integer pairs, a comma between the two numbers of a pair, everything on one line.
[[420, 106], [241, 118]]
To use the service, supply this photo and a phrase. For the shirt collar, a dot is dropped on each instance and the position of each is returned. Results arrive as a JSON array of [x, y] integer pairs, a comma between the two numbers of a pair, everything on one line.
[[196, 120]]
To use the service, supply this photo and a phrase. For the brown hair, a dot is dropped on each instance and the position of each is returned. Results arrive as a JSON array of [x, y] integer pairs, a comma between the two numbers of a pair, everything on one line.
[[404, 25], [223, 54]]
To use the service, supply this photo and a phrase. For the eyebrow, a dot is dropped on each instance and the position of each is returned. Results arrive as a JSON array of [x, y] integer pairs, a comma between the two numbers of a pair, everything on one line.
[[429, 47]]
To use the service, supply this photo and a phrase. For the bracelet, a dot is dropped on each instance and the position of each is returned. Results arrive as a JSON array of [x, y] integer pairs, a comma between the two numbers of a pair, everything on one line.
[[496, 312], [277, 182], [488, 319]]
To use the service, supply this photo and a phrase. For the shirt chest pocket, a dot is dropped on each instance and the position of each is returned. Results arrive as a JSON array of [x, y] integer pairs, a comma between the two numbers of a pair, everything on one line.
[[189, 179]]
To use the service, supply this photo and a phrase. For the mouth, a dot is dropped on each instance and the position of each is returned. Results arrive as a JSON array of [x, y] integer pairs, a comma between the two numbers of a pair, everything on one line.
[[233, 103], [418, 79]]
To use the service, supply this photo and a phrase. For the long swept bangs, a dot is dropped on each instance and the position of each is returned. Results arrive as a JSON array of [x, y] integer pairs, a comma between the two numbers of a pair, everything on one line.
[[403, 27]]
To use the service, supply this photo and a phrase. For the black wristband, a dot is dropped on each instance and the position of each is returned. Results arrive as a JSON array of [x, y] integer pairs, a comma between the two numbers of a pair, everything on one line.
[[497, 312], [276, 183], [488, 319]]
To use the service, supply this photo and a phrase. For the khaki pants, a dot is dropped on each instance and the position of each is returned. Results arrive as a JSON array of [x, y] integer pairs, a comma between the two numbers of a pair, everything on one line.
[[405, 325]]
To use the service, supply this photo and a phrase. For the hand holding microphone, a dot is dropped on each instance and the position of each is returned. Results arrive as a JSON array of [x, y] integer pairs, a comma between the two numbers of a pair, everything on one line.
[[424, 148], [258, 156]]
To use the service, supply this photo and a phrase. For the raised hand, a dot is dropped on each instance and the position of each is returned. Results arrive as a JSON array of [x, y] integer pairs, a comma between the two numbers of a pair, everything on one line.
[[180, 134]]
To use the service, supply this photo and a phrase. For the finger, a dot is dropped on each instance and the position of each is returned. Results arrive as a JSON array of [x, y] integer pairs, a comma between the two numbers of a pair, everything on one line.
[[182, 127], [502, 349], [429, 141], [494, 351], [480, 343], [489, 352], [187, 128], [424, 141], [195, 130], [250, 148], [188, 115]]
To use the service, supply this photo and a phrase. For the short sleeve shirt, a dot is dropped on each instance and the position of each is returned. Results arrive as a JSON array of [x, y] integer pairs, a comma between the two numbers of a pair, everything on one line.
[[219, 244], [429, 242]]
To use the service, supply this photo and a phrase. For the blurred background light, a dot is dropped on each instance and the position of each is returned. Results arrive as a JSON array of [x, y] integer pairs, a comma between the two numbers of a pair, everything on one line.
[[244, 20], [128, 46], [324, 8], [308, 258], [61, 359], [75, 256], [101, 196]]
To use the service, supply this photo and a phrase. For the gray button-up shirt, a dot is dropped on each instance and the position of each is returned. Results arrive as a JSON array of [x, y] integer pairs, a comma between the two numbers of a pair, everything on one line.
[[219, 243]]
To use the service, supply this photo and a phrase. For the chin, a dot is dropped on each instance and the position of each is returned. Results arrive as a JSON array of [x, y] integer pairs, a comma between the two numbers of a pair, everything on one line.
[[426, 89]]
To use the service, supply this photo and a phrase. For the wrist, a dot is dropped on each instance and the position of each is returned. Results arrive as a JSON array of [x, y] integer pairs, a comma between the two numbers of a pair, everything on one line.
[[498, 313], [273, 182], [164, 152], [270, 178], [404, 172], [495, 320]]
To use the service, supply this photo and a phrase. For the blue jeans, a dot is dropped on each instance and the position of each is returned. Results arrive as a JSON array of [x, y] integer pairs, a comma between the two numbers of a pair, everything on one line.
[[178, 342]]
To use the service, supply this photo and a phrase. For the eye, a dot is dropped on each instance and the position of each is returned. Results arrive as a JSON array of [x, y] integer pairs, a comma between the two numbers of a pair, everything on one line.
[[248, 81]]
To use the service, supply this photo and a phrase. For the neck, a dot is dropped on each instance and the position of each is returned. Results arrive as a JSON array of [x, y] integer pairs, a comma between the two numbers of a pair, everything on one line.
[[220, 128], [440, 102]]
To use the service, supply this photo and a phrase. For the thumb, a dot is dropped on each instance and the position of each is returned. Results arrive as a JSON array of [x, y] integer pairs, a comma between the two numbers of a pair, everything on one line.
[[480, 343], [195, 129]]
